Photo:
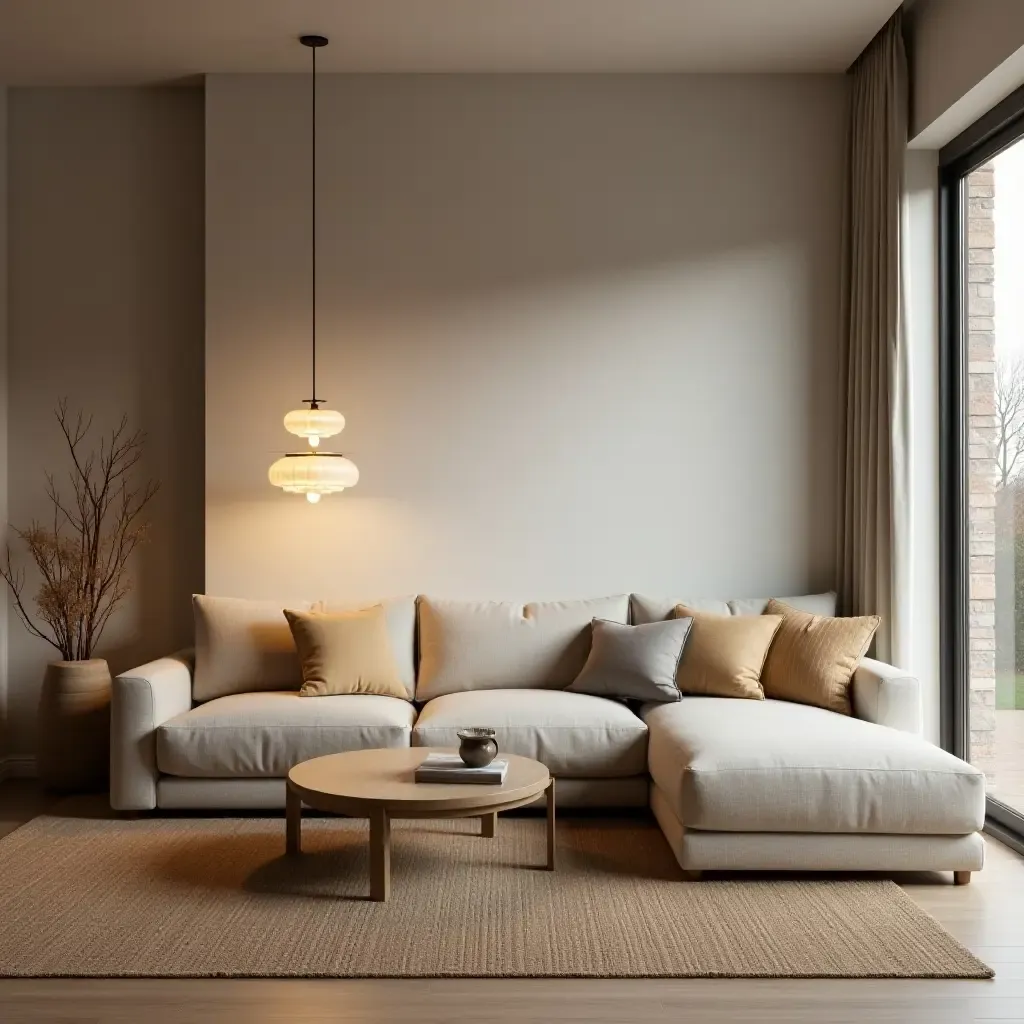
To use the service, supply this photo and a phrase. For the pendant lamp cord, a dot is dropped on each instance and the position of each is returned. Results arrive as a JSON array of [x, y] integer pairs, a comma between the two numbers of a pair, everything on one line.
[[313, 223]]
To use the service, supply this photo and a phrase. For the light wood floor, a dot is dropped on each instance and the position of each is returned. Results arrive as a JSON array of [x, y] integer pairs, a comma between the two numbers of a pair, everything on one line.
[[1009, 759], [987, 916]]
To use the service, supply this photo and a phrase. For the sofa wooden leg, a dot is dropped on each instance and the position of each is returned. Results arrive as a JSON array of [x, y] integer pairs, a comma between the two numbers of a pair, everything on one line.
[[961, 877], [692, 876]]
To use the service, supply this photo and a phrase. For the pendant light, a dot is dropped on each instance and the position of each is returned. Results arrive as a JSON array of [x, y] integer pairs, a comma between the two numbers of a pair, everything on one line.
[[314, 473]]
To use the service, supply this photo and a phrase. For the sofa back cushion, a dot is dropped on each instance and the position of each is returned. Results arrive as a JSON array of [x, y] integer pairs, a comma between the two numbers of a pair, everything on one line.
[[242, 646], [655, 609], [814, 604], [490, 645], [246, 646]]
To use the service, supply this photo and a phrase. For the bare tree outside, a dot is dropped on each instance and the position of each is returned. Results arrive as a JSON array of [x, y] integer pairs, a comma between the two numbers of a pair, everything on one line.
[[1009, 416]]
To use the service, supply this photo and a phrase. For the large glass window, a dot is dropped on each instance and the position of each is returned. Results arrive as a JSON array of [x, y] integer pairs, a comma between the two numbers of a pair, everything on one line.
[[994, 304], [984, 416]]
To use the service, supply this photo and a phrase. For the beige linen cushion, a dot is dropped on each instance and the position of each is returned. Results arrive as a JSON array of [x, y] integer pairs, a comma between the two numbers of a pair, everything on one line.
[[491, 645], [724, 654], [242, 646], [345, 653], [813, 657]]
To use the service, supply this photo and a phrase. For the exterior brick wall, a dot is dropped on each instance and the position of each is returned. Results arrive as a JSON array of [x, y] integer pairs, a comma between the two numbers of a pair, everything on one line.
[[982, 473]]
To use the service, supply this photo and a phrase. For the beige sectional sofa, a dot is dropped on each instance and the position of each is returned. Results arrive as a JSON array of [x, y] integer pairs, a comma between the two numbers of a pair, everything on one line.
[[734, 784]]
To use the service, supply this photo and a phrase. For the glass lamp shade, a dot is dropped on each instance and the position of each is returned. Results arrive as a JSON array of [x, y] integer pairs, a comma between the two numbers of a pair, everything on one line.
[[314, 424], [314, 474]]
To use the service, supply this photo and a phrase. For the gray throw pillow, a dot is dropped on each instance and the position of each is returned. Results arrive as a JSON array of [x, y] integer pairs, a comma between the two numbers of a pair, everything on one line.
[[634, 662]]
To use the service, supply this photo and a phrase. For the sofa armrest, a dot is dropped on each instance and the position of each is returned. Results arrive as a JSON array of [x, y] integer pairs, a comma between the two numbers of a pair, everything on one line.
[[887, 696], [142, 699]]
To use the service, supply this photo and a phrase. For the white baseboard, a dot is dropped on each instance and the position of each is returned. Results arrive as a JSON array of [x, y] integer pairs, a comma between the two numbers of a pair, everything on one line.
[[17, 766]]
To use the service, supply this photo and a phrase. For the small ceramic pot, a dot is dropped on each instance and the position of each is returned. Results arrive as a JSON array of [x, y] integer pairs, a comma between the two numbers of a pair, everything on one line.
[[477, 747]]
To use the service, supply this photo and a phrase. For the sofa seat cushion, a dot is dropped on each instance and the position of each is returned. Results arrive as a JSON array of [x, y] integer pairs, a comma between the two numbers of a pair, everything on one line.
[[771, 766], [261, 735], [575, 734]]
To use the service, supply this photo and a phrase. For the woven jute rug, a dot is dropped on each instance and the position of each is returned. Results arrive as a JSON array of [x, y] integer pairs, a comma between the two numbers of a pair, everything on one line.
[[217, 897]]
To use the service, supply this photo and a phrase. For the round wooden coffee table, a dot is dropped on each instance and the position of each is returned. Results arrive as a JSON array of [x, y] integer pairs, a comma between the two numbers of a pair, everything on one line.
[[379, 785]]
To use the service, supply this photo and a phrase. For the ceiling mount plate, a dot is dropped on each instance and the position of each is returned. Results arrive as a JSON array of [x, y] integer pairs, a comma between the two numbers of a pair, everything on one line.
[[313, 40]]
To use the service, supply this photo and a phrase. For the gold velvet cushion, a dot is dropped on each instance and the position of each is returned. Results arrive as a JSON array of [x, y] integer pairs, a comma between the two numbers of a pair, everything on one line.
[[724, 654], [345, 652], [813, 657]]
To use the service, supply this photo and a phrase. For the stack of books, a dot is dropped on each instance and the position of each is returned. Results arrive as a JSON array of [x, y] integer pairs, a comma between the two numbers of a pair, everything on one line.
[[451, 768]]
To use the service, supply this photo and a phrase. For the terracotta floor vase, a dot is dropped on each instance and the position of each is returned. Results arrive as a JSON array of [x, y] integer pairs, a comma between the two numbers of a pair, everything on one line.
[[74, 726]]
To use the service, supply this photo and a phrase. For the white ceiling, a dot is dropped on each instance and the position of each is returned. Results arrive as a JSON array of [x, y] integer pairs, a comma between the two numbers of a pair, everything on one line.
[[115, 42]]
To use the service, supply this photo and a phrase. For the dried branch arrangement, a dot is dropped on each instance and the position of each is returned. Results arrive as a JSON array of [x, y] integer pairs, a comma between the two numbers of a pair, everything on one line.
[[83, 556]]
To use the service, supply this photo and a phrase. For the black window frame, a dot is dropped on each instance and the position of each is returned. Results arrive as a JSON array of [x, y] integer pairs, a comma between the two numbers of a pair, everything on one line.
[[997, 130]]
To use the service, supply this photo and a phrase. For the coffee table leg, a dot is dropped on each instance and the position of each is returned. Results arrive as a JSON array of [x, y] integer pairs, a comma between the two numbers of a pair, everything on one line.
[[293, 821], [380, 855], [488, 824], [551, 824]]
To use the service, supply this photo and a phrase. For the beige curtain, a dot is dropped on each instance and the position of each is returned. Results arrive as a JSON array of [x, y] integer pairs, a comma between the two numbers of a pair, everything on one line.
[[873, 553]]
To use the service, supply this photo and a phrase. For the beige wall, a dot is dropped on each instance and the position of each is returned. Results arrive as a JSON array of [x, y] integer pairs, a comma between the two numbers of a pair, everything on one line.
[[3, 416], [583, 329], [106, 307], [965, 56]]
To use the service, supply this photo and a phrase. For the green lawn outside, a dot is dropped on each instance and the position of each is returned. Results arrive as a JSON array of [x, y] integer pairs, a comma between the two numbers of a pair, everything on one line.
[[1010, 691]]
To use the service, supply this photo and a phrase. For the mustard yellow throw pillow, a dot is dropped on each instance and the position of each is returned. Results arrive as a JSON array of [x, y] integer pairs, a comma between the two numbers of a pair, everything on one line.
[[724, 654], [345, 652], [813, 657]]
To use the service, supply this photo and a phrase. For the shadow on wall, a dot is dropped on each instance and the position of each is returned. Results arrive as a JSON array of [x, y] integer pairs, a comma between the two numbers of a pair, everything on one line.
[[106, 308]]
